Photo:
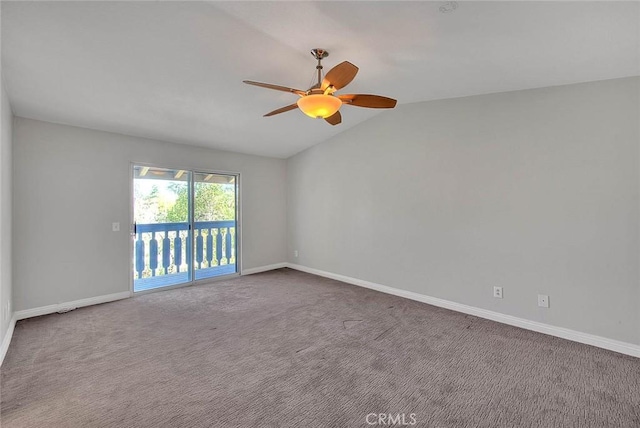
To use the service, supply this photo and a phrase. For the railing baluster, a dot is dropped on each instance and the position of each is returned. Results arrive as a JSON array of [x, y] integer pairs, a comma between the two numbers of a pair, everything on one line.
[[153, 254], [227, 245], [139, 255], [219, 246], [199, 249], [209, 247], [166, 252], [177, 248], [188, 245]]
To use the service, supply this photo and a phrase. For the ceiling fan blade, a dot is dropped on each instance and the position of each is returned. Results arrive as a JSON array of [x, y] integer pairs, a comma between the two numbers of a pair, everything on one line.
[[369, 101], [340, 75], [275, 87], [282, 110], [334, 119]]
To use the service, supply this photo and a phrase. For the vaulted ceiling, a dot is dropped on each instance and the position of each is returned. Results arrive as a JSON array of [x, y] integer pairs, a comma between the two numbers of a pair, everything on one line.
[[173, 70]]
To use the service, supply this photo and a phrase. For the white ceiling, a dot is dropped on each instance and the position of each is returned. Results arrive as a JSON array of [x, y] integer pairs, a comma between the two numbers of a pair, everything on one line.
[[173, 70]]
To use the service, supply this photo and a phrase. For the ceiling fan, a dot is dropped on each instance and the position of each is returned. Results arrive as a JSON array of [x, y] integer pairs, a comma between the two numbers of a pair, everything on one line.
[[320, 101]]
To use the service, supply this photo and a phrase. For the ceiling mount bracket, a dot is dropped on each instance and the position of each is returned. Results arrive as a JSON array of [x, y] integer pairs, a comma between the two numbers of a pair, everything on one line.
[[319, 53]]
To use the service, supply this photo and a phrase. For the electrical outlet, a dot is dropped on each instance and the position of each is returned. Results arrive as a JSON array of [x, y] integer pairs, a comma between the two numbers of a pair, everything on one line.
[[115, 227], [543, 300], [295, 253], [497, 292]]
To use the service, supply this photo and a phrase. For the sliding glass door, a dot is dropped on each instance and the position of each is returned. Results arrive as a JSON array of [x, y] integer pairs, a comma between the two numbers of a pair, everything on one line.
[[214, 215], [184, 226]]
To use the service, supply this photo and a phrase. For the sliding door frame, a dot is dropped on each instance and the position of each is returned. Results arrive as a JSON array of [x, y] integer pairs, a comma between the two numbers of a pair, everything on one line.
[[238, 241]]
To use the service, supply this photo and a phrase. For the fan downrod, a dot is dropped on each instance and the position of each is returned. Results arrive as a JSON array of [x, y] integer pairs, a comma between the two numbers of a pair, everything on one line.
[[318, 54]]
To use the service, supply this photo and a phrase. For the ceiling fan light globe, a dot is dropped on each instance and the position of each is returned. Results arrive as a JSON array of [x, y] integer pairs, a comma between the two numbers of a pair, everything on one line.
[[319, 106]]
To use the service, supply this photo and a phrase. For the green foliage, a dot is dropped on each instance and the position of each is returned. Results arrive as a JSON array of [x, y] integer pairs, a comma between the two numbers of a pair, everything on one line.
[[212, 202], [149, 206]]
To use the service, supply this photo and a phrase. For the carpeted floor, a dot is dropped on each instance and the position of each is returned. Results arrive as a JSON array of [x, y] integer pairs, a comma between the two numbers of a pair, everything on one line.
[[288, 349]]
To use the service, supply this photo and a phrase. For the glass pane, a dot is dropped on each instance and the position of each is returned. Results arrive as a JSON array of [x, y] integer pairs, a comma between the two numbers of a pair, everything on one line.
[[162, 238], [214, 215]]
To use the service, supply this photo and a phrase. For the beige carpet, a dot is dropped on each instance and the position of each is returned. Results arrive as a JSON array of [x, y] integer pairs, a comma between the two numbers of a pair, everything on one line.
[[288, 349]]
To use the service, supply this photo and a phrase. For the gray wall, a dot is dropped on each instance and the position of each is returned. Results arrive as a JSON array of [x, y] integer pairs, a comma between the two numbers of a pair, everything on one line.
[[71, 183], [5, 212], [536, 191]]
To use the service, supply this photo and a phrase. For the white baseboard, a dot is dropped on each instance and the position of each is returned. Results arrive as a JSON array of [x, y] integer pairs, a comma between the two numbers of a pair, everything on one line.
[[264, 268], [6, 340], [564, 333], [44, 310]]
